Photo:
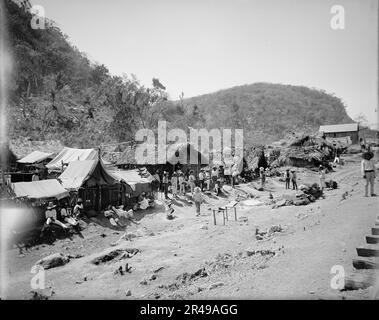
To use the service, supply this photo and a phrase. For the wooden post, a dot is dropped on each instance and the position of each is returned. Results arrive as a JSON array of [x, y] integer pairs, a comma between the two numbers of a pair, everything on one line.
[[223, 217], [214, 217], [226, 213], [235, 213]]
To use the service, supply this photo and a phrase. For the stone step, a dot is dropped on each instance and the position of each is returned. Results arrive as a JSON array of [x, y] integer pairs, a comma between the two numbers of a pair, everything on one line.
[[366, 263], [368, 250], [372, 239]]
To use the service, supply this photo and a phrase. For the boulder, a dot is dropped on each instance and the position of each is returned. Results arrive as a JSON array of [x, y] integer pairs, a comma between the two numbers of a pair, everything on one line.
[[301, 202], [53, 260], [215, 285]]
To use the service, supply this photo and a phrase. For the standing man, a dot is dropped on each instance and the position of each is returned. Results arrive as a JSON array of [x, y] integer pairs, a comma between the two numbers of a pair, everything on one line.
[[214, 175], [157, 183], [198, 198], [368, 171], [174, 184], [182, 184], [165, 184], [294, 179], [287, 177], [191, 181], [201, 179]]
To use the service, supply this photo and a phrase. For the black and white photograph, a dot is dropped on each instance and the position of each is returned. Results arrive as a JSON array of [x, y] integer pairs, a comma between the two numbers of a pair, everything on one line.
[[189, 150]]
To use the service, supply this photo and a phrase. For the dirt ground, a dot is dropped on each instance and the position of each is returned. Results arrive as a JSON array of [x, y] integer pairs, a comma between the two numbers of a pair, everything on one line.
[[191, 258]]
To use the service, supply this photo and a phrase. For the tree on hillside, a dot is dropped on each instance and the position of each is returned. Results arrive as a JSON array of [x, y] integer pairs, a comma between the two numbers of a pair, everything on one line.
[[134, 105], [362, 120]]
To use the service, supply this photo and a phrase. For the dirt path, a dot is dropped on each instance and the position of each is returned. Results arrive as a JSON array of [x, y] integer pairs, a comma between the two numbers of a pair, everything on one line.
[[295, 263]]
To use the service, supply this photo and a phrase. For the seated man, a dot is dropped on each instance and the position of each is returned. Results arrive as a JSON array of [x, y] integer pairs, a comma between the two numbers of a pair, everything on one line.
[[51, 218], [78, 209], [143, 201], [67, 217], [112, 216]]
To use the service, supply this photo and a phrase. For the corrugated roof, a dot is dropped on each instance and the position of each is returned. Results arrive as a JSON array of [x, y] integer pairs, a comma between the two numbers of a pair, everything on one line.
[[41, 189], [348, 127], [36, 156]]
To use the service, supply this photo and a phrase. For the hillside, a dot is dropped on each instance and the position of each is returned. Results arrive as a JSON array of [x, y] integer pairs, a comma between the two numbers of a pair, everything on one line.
[[57, 93], [267, 111]]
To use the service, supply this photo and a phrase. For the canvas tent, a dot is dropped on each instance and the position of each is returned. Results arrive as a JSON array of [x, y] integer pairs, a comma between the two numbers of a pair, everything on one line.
[[138, 180], [36, 157], [68, 155], [42, 189], [89, 172], [93, 182]]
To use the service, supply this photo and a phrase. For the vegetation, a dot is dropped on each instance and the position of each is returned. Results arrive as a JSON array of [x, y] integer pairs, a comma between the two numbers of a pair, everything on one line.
[[58, 93]]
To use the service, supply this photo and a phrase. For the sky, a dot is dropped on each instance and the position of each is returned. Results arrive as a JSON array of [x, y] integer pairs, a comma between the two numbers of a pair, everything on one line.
[[201, 46]]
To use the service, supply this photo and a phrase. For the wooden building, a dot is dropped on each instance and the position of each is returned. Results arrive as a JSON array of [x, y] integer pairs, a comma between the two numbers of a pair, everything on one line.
[[341, 130]]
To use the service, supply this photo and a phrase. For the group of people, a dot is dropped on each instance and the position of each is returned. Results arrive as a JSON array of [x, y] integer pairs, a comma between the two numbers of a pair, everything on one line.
[[180, 183], [291, 176], [60, 215]]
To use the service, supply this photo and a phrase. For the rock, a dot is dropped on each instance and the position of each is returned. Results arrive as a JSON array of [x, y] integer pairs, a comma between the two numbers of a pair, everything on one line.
[[301, 202], [215, 285], [280, 203], [153, 277], [52, 261], [250, 252], [158, 269], [128, 293], [204, 227], [130, 235], [143, 282]]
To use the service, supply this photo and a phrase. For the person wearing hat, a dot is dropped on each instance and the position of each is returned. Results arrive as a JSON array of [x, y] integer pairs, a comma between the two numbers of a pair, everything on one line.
[[287, 177], [214, 175], [198, 199], [78, 209], [174, 184], [182, 184], [51, 215], [156, 183], [191, 181], [368, 171], [201, 179], [294, 179], [165, 184]]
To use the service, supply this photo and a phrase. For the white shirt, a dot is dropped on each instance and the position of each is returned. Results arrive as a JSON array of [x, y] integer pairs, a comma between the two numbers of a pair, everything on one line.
[[367, 165]]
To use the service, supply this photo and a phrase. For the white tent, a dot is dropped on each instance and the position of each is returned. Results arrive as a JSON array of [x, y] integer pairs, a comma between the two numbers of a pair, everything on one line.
[[68, 155], [42, 189], [35, 157], [90, 171]]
